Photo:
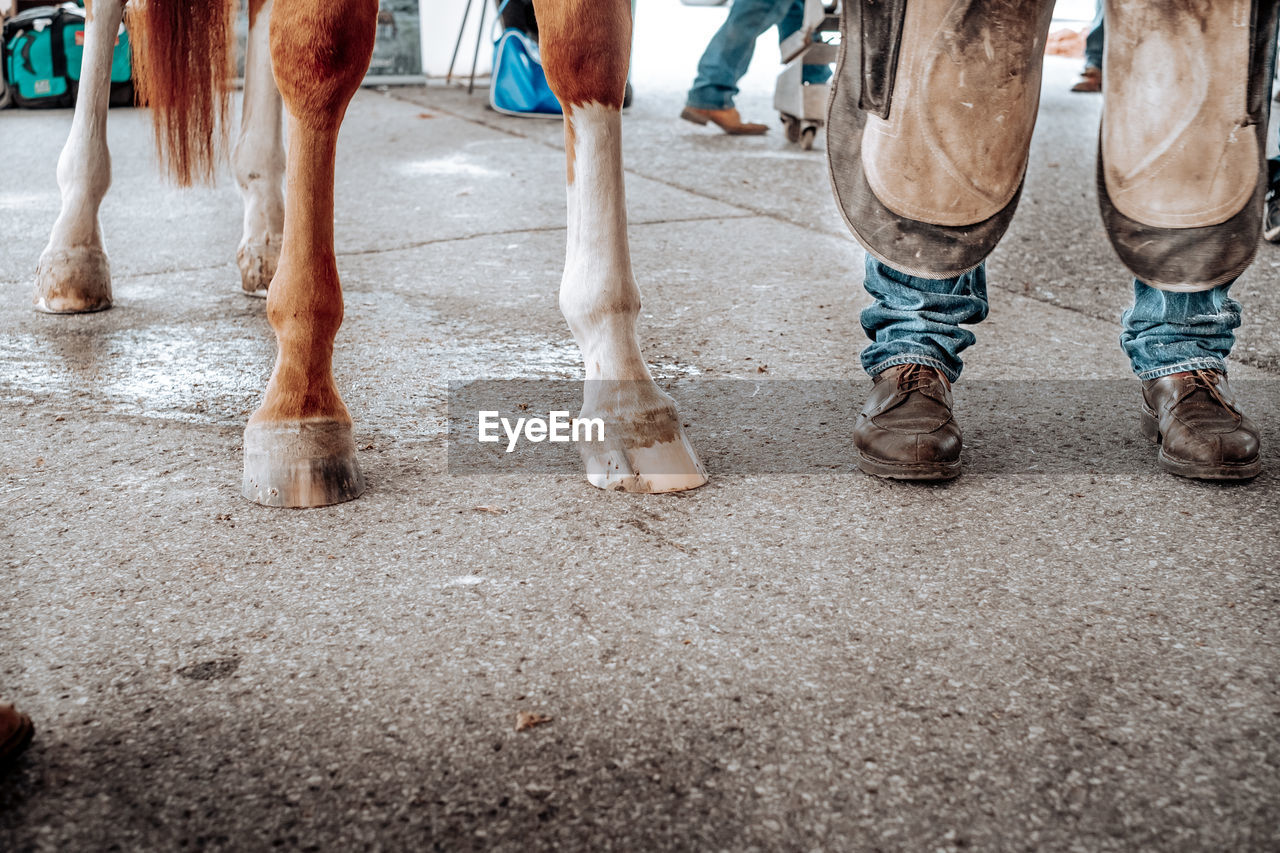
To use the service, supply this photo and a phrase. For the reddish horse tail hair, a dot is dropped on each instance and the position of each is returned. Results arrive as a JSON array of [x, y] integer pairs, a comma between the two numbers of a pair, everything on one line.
[[182, 63]]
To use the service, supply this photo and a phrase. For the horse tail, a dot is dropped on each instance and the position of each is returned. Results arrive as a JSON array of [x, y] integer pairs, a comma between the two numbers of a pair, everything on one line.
[[182, 64]]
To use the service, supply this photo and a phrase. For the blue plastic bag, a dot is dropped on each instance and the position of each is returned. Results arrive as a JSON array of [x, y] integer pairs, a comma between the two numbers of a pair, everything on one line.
[[518, 84]]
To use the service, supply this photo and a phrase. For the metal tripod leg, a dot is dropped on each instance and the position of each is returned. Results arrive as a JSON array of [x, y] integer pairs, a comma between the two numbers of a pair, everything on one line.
[[475, 57], [466, 13]]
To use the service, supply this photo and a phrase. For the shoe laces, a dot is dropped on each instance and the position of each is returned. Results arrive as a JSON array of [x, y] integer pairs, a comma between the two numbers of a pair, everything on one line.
[[916, 377], [1208, 380]]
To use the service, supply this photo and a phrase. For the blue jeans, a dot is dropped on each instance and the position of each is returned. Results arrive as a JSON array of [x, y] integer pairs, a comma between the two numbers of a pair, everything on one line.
[[917, 321], [1093, 41], [1171, 332], [729, 53]]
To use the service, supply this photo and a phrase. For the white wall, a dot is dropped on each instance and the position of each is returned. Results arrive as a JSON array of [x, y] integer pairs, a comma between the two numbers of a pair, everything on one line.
[[440, 22]]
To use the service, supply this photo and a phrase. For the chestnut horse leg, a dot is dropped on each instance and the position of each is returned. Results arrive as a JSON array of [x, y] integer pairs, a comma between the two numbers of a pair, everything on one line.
[[586, 45], [73, 275], [259, 160], [298, 447]]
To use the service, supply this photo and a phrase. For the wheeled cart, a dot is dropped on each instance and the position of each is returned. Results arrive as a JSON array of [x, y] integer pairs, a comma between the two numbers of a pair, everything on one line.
[[802, 107]]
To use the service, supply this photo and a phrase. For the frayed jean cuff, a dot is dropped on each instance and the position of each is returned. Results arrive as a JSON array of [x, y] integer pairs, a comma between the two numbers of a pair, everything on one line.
[[895, 360], [1183, 367]]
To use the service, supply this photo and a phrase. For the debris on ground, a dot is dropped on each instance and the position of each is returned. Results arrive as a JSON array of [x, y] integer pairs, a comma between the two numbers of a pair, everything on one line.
[[528, 719]]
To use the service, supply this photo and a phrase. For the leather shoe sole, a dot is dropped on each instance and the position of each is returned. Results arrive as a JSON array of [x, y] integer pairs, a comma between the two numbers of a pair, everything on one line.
[[922, 471], [702, 117], [1150, 426]]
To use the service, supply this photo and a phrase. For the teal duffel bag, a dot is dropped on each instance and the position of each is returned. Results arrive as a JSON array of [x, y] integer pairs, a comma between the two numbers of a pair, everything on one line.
[[41, 51]]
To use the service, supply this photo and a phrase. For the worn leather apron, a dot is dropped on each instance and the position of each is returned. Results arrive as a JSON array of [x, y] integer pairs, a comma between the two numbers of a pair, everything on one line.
[[934, 102]]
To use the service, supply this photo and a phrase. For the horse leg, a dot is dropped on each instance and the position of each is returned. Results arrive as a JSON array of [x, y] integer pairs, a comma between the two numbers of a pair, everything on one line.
[[73, 275], [298, 446], [259, 160], [586, 46]]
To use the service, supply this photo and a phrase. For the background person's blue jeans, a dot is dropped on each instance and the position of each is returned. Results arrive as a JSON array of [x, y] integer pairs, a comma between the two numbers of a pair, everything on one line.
[[1094, 41], [728, 55], [918, 321]]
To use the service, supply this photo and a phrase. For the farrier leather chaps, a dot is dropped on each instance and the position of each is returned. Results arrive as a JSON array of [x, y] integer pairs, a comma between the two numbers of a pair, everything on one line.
[[934, 102]]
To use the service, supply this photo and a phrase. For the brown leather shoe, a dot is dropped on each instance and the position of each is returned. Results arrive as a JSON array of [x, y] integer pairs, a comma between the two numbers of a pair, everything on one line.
[[15, 733], [1201, 432], [727, 120], [906, 431], [1090, 81]]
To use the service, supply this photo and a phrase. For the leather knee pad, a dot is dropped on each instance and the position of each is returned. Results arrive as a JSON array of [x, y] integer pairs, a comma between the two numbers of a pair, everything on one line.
[[929, 123], [1181, 176]]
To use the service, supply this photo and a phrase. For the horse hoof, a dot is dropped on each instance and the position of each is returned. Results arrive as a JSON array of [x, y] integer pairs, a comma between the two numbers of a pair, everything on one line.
[[301, 463], [73, 281], [668, 465], [257, 264]]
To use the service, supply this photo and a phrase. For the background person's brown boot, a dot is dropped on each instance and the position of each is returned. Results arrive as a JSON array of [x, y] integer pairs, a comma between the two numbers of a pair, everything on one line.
[[905, 430], [727, 120], [1201, 431], [15, 733], [1090, 81]]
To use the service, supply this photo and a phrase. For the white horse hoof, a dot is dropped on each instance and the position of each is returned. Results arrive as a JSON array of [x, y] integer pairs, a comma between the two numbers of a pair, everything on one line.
[[257, 264], [301, 463], [73, 281], [668, 465]]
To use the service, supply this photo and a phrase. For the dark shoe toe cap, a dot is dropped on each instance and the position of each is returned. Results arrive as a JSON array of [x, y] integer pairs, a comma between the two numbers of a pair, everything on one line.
[[942, 445]]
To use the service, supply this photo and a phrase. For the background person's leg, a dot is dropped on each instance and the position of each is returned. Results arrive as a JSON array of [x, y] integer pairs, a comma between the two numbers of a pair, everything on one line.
[[728, 54], [1093, 44], [1091, 77]]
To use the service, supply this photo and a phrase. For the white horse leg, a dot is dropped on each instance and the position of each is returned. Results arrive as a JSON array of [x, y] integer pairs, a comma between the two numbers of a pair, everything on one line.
[[259, 160], [585, 45], [74, 275]]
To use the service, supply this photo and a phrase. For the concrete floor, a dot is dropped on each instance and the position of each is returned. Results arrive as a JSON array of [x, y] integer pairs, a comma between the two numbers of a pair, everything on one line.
[[1065, 649]]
